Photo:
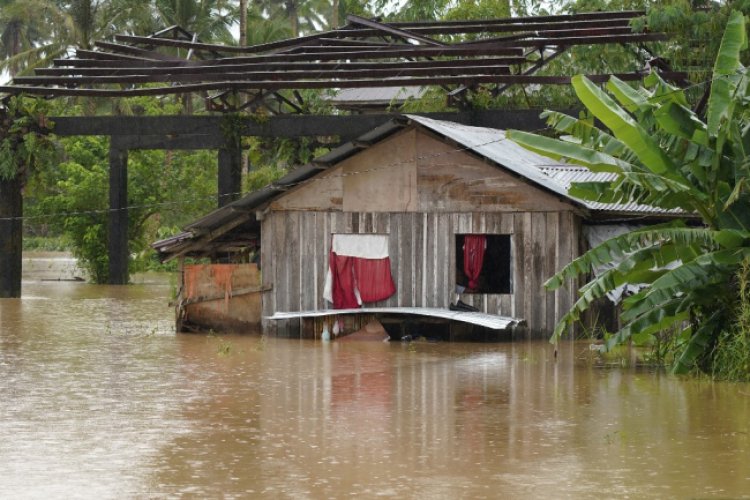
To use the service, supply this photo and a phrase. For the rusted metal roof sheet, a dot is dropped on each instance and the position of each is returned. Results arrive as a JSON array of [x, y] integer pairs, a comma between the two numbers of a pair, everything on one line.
[[492, 321]]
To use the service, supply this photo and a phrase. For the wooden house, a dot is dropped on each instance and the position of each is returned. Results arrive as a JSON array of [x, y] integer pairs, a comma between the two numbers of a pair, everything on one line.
[[424, 185]]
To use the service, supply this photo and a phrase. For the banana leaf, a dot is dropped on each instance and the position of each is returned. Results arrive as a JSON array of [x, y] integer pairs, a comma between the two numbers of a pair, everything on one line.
[[725, 83], [622, 125]]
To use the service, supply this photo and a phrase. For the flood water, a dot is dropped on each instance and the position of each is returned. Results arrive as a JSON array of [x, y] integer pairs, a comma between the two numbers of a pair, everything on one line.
[[99, 398]]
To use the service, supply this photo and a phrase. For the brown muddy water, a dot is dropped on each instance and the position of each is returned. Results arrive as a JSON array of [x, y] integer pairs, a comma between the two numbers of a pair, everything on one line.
[[99, 398]]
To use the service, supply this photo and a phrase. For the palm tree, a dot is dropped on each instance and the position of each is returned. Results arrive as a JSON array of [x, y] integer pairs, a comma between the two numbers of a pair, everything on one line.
[[261, 29], [33, 32], [209, 19], [303, 16], [27, 32]]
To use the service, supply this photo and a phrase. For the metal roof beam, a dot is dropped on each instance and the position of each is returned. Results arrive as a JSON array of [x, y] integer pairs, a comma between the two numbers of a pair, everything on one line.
[[400, 33], [278, 66], [288, 76], [319, 84]]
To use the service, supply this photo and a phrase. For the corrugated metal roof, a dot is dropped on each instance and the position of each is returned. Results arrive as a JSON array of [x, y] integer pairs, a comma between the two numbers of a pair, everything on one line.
[[476, 318], [545, 172], [375, 95], [489, 143], [493, 145], [565, 175]]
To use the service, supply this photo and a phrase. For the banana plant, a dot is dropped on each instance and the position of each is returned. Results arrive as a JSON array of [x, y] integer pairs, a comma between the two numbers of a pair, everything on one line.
[[665, 155]]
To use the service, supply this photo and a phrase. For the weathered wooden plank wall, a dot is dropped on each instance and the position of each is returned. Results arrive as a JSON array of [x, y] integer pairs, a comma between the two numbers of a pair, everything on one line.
[[295, 247]]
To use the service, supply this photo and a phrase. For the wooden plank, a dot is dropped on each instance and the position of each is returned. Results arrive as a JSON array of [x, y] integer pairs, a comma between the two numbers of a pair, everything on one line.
[[519, 253], [394, 250], [346, 126], [354, 218], [407, 242], [282, 267], [464, 223], [382, 222], [420, 272], [538, 263], [384, 179], [553, 224], [492, 227], [450, 265], [338, 226], [429, 260], [306, 263], [528, 269], [565, 255], [447, 282], [229, 174], [506, 300], [323, 237], [295, 273], [268, 269], [11, 235], [296, 290]]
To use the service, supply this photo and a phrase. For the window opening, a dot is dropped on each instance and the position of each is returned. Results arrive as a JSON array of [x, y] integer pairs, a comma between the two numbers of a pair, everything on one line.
[[483, 263]]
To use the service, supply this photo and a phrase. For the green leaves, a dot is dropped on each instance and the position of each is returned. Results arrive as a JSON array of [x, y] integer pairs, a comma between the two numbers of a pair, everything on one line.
[[25, 146], [557, 149], [623, 126], [727, 78], [661, 153]]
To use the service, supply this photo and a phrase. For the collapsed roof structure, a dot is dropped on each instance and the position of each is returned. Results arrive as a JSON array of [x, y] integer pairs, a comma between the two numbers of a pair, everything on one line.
[[457, 55]]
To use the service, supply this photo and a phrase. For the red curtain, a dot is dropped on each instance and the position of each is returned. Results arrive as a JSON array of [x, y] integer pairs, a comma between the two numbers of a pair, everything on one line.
[[371, 277], [342, 271], [474, 246], [374, 280]]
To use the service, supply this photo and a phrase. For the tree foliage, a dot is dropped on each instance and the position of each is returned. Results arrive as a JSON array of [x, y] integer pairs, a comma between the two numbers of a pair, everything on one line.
[[24, 144], [665, 155], [165, 188]]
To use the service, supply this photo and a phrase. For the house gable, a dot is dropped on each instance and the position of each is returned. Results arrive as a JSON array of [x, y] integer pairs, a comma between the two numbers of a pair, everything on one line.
[[415, 170], [382, 178], [453, 180], [323, 192]]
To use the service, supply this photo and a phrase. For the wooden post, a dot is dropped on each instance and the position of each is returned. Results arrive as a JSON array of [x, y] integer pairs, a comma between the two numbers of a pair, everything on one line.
[[230, 174], [118, 215], [11, 237], [179, 308]]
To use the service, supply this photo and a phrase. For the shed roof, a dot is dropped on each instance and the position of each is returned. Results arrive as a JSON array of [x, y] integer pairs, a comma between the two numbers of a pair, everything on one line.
[[375, 96], [488, 143]]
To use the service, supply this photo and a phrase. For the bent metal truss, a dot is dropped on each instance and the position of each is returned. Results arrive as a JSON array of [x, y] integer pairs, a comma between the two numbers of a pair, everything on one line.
[[459, 56]]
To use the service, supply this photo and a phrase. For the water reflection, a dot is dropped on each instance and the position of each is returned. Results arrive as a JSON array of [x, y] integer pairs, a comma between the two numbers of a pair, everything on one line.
[[99, 398]]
